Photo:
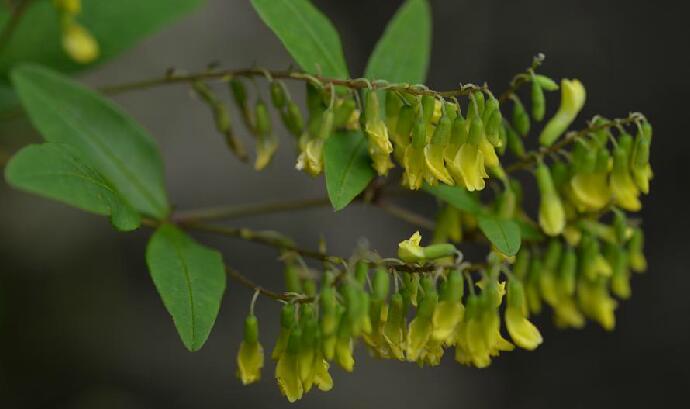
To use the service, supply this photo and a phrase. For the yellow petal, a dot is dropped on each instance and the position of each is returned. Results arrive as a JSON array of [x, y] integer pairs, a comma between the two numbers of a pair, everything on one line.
[[591, 189], [250, 360], [523, 332], [433, 155], [287, 375], [625, 193], [79, 44], [551, 214], [471, 163]]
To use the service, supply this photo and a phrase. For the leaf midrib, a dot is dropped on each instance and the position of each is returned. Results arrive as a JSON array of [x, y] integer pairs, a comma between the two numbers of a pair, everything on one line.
[[190, 291], [346, 172]]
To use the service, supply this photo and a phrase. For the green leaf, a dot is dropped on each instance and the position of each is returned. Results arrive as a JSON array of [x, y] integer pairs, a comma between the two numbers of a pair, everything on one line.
[[307, 34], [402, 54], [54, 171], [105, 137], [529, 231], [190, 279], [116, 24], [457, 197], [502, 233], [348, 167]]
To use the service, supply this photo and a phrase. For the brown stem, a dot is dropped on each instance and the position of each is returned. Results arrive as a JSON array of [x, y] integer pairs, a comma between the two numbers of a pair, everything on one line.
[[243, 210], [13, 22], [570, 137]]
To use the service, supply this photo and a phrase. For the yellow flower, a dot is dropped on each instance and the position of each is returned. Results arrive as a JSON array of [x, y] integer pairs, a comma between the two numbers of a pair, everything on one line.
[[521, 330], [415, 167], [322, 379], [409, 250], [470, 160], [393, 330], [343, 353], [265, 149], [287, 375], [433, 156], [625, 192], [597, 303], [250, 360], [446, 318], [287, 369], [489, 153], [572, 99], [311, 158], [591, 189], [79, 43]]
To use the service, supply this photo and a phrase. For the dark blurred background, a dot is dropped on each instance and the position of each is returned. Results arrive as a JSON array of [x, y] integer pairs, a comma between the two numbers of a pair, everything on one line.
[[81, 325]]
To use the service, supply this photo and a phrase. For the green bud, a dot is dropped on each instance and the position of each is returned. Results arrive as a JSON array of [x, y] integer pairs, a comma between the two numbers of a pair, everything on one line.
[[454, 287], [515, 295], [428, 106], [514, 141], [310, 287], [263, 120], [636, 256], [251, 329], [458, 131], [419, 133], [314, 98], [442, 132], [287, 316], [538, 101], [278, 97], [343, 112], [292, 118], [406, 122], [372, 106], [553, 254], [326, 124], [480, 100], [521, 266], [292, 279], [568, 271], [476, 132], [239, 93], [381, 284], [521, 122], [493, 127], [545, 82]]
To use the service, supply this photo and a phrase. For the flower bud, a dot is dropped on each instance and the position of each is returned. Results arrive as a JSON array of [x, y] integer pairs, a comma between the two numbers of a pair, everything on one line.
[[343, 112], [221, 117], [551, 212], [71, 7], [393, 106], [434, 152], [239, 94], [470, 158], [521, 330], [521, 121], [292, 279], [380, 284], [521, 265], [514, 141], [292, 118], [572, 100], [420, 327], [545, 82], [278, 97], [568, 272], [287, 320], [538, 101], [79, 43], [267, 142], [624, 191]]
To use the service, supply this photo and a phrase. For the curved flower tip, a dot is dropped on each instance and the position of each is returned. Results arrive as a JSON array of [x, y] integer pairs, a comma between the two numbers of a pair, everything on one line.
[[572, 99], [591, 189], [415, 167], [470, 160], [433, 156], [552, 214], [521, 330], [409, 250], [446, 317], [311, 158], [625, 193]]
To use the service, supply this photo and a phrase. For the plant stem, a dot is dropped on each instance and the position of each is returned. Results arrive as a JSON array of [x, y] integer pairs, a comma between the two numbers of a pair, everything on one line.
[[13, 22], [252, 209], [570, 137], [406, 215], [245, 281], [356, 83]]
